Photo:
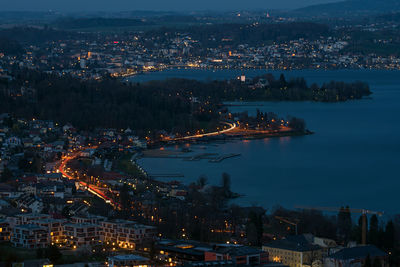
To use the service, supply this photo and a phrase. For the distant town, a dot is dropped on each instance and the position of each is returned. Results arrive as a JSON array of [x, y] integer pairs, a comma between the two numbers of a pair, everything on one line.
[[92, 52]]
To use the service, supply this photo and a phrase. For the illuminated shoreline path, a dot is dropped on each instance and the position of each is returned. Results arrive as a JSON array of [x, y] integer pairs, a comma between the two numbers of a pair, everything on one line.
[[232, 126], [91, 188]]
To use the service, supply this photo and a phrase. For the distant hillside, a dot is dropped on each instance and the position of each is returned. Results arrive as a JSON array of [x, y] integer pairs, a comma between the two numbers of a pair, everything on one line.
[[82, 23], [253, 34], [10, 47], [29, 35], [350, 8]]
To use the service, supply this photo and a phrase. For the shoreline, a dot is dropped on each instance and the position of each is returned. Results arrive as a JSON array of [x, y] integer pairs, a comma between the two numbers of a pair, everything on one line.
[[230, 136], [141, 73]]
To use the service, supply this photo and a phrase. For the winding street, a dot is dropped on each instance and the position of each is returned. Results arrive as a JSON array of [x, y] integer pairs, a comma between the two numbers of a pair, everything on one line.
[[91, 188], [232, 126]]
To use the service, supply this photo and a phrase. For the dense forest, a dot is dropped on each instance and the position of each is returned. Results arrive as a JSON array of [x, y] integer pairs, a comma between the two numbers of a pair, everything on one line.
[[274, 89], [106, 103], [175, 105]]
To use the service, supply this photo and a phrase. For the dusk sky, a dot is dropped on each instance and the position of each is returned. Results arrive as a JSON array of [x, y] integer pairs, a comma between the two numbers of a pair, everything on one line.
[[159, 5]]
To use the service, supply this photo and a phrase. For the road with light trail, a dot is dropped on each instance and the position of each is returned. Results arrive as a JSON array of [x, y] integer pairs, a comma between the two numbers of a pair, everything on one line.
[[91, 188]]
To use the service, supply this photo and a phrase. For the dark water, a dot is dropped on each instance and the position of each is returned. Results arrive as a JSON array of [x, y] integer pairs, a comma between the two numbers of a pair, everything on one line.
[[352, 159]]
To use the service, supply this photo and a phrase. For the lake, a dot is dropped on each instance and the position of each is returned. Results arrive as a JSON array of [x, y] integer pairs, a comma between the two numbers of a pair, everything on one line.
[[352, 159]]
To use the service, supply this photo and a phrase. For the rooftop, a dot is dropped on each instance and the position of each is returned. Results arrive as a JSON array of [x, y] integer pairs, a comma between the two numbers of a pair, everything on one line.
[[294, 243], [360, 252], [129, 257]]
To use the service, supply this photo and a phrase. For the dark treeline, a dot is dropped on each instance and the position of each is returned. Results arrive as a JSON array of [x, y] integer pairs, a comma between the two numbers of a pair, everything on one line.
[[175, 105], [221, 34], [275, 90], [105, 103], [341, 227]]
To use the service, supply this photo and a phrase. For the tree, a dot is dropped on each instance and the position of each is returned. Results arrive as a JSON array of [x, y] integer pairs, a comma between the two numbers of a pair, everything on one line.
[[53, 254], [226, 185], [202, 181], [152, 250], [6, 175], [125, 200], [373, 232], [367, 262], [389, 236], [297, 124], [255, 229], [376, 262], [39, 253], [344, 224], [282, 80], [357, 231], [66, 212]]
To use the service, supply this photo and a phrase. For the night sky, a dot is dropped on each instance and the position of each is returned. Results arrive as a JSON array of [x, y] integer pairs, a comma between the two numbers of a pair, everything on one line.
[[156, 5]]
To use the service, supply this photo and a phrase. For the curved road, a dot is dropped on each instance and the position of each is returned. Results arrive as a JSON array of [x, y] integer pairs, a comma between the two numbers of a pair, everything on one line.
[[91, 188], [232, 126]]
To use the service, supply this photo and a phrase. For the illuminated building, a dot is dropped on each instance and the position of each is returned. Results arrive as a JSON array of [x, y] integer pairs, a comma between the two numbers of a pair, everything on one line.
[[240, 255], [30, 236], [5, 230], [129, 260], [127, 234], [294, 251], [81, 235]]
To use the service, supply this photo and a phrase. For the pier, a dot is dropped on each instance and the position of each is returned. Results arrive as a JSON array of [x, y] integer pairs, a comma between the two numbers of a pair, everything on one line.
[[223, 157], [166, 175], [201, 156]]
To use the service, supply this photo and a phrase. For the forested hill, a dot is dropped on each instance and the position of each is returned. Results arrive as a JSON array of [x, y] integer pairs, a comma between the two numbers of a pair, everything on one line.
[[173, 105], [84, 23], [350, 8], [234, 34]]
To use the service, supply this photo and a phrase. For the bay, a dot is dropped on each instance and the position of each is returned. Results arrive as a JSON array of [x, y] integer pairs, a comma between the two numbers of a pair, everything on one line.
[[352, 159]]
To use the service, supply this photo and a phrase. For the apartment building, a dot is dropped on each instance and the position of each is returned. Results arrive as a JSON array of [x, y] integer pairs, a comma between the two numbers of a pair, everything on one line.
[[30, 236], [127, 234], [81, 234], [54, 228]]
